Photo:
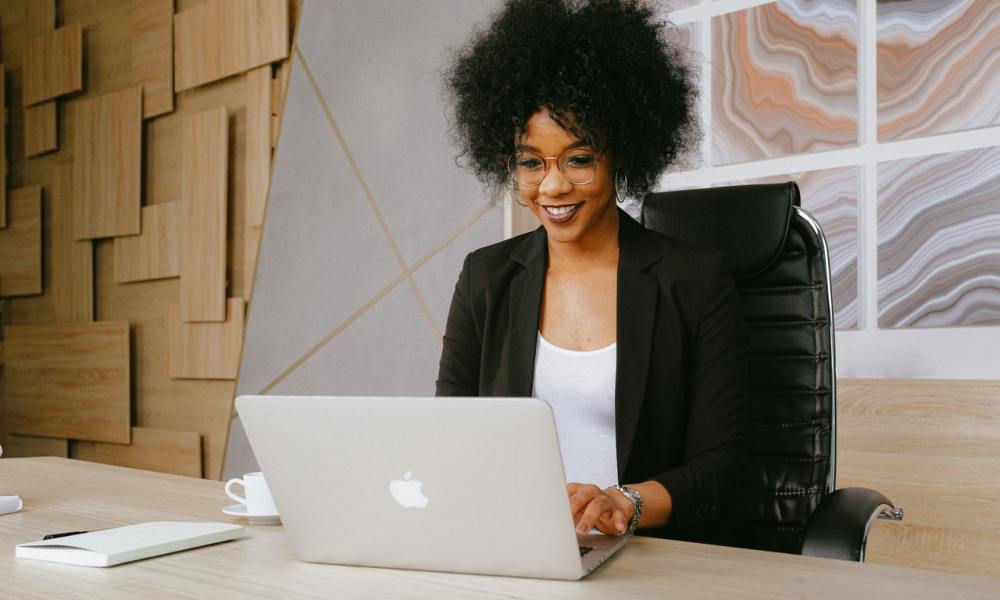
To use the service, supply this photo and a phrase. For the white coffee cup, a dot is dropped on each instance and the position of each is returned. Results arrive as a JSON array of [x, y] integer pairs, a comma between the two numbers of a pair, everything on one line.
[[257, 497]]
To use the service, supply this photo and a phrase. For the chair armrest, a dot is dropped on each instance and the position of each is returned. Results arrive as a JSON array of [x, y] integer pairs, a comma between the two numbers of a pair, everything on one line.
[[838, 528]]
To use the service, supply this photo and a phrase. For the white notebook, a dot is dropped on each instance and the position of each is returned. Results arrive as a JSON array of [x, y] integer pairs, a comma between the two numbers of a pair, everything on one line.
[[110, 547]]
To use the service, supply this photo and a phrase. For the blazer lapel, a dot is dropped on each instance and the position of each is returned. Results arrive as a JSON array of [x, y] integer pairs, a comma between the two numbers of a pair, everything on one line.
[[525, 304], [637, 297]]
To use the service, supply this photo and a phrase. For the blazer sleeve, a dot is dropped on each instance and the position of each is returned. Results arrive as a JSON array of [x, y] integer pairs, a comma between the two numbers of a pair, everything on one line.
[[458, 370], [715, 441]]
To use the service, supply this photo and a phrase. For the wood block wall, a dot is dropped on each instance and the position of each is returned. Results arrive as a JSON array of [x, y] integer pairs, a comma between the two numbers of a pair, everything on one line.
[[99, 198], [21, 243], [40, 118], [68, 380], [107, 165]]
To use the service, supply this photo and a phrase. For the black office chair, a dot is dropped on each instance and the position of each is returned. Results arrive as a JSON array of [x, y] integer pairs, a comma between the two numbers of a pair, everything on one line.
[[779, 258]]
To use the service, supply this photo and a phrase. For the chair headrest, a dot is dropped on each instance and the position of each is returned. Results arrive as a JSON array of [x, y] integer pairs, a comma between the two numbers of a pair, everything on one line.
[[748, 223]]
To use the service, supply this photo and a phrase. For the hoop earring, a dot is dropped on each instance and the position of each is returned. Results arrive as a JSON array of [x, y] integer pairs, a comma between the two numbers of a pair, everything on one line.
[[512, 193], [621, 187]]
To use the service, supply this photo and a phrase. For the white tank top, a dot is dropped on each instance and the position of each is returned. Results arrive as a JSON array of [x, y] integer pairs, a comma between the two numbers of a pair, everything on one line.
[[580, 388]]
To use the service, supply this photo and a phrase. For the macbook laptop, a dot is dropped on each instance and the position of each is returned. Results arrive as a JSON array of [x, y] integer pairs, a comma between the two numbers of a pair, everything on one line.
[[470, 485]]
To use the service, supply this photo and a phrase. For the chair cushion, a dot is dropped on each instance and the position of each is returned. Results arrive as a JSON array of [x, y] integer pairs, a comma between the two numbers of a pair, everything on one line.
[[750, 231]]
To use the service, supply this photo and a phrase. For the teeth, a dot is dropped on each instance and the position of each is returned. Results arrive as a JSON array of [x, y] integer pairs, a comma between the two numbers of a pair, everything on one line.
[[560, 210]]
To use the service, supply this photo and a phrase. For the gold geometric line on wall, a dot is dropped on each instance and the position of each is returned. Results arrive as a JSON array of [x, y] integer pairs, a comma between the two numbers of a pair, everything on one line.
[[406, 274], [393, 246], [424, 308]]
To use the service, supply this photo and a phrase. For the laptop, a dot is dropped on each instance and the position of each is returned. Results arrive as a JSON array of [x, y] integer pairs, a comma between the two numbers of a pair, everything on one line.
[[464, 485]]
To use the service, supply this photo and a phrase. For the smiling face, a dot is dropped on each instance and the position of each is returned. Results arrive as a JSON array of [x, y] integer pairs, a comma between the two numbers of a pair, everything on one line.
[[572, 213]]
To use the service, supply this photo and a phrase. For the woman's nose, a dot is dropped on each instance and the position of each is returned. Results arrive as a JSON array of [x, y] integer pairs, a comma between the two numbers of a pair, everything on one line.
[[554, 183]]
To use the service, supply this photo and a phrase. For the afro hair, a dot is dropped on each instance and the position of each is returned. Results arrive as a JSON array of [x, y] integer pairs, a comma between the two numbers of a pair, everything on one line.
[[604, 69]]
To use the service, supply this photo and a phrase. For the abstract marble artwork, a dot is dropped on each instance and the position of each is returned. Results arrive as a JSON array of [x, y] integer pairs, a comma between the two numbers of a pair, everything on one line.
[[687, 38], [939, 240], [831, 196], [676, 4], [937, 66], [784, 79]]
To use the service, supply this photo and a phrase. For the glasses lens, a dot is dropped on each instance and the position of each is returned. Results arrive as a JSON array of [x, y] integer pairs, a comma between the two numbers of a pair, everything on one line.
[[527, 168], [579, 166]]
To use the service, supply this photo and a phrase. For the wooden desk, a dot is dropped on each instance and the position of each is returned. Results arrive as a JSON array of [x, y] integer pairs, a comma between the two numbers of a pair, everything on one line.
[[67, 495]]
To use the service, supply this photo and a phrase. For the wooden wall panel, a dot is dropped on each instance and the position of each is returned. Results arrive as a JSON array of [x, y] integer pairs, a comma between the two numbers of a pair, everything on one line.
[[53, 64], [162, 147], [83, 450], [251, 249], [39, 16], [258, 149], [203, 197], [933, 447], [108, 165], [23, 446], [276, 102], [225, 37], [40, 120], [153, 54], [279, 89], [160, 401], [155, 253], [3, 147], [163, 450], [21, 243], [206, 350], [72, 276], [40, 128], [69, 380], [112, 41]]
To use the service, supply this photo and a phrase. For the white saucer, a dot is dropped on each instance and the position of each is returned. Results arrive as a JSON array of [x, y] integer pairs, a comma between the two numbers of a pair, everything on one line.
[[240, 510]]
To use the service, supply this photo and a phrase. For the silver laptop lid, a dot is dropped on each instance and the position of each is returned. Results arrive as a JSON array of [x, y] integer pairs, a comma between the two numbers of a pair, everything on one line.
[[470, 485]]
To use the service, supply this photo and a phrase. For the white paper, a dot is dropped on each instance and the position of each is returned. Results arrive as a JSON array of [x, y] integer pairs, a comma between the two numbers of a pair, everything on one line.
[[10, 504]]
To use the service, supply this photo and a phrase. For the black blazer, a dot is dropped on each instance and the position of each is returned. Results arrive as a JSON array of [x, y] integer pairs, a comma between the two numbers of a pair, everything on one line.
[[681, 374]]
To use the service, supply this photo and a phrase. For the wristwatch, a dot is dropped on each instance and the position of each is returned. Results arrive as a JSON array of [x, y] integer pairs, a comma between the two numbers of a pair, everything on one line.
[[636, 499]]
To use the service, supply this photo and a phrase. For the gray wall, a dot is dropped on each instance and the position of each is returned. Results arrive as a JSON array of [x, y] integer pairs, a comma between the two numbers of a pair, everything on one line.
[[369, 217]]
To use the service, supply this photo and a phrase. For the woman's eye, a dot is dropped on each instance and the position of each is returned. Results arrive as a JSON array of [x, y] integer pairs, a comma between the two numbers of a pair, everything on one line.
[[529, 163], [581, 160]]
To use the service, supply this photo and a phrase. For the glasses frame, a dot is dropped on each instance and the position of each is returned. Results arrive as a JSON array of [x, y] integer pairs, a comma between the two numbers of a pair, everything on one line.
[[597, 164]]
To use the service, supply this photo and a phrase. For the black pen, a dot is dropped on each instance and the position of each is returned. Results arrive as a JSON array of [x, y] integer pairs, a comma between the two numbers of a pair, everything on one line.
[[53, 536]]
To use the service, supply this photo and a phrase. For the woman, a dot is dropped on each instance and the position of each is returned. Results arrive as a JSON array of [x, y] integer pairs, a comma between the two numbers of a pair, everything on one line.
[[633, 338]]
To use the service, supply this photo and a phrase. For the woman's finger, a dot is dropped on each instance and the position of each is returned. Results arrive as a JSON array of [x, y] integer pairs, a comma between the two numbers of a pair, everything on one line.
[[592, 514], [580, 497], [613, 522]]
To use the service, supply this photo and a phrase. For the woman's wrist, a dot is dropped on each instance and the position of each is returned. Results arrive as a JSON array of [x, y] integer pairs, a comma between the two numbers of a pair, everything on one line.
[[634, 498], [621, 501], [657, 503]]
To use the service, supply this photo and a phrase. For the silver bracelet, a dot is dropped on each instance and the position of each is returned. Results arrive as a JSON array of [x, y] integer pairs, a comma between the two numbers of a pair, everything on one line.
[[636, 499]]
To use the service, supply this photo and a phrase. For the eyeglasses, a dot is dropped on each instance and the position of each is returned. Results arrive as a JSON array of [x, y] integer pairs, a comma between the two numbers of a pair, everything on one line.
[[578, 166]]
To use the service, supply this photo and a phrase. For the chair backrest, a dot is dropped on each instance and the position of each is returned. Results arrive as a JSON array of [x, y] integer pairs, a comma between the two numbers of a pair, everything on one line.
[[779, 258]]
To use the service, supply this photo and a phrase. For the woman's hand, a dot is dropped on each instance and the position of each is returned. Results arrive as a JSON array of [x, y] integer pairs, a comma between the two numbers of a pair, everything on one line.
[[607, 510]]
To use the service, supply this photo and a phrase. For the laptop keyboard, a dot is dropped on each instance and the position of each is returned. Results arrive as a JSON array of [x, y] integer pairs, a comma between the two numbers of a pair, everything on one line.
[[585, 550]]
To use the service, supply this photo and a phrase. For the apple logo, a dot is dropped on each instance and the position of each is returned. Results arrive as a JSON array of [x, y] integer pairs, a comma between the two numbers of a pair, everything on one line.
[[406, 491]]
